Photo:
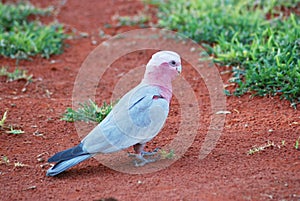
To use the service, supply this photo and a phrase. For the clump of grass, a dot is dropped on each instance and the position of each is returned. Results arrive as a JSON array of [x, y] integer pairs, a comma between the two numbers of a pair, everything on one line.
[[8, 128], [249, 36], [140, 19], [17, 74], [133, 20], [269, 64], [18, 13], [166, 155], [89, 111], [21, 38]]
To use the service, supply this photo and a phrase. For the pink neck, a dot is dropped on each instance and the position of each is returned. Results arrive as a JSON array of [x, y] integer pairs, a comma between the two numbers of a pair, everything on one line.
[[162, 77], [166, 93], [165, 89]]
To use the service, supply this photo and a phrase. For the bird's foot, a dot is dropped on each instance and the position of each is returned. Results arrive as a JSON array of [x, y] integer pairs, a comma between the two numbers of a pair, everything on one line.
[[143, 161]]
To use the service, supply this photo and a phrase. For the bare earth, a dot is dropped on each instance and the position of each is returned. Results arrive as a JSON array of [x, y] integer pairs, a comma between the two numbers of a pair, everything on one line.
[[227, 173]]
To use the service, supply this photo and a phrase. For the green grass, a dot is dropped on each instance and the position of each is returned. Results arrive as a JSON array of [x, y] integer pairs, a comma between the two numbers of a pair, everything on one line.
[[8, 128], [4, 160], [17, 74], [256, 38], [140, 19], [88, 112], [21, 38]]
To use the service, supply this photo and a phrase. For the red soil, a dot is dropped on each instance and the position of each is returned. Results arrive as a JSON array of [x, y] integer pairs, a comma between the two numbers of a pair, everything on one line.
[[227, 173]]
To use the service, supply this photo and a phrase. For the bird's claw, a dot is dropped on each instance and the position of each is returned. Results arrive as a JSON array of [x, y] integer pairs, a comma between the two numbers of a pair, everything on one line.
[[143, 161]]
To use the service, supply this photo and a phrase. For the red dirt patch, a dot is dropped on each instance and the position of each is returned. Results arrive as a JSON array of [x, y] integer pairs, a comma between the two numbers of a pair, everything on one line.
[[227, 173]]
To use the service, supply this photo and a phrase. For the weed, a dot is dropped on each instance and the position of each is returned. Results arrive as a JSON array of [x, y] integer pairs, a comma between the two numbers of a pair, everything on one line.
[[264, 56], [88, 112], [17, 74], [4, 160], [20, 39], [167, 155], [133, 20], [140, 19], [257, 149], [14, 131], [8, 128]]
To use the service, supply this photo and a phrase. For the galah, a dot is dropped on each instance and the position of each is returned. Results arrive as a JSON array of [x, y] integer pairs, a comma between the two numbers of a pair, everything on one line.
[[135, 119]]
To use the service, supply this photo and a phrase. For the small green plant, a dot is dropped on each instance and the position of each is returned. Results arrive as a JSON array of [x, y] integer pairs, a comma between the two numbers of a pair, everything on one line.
[[88, 112], [140, 19], [14, 131], [17, 74], [21, 38], [167, 155], [249, 36], [8, 128], [4, 160], [257, 149]]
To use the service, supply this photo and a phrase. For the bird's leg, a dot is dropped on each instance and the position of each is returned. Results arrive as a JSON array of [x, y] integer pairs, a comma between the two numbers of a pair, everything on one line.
[[150, 153], [140, 153]]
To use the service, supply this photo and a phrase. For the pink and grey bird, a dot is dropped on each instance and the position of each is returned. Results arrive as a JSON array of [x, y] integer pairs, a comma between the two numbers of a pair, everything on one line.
[[135, 120]]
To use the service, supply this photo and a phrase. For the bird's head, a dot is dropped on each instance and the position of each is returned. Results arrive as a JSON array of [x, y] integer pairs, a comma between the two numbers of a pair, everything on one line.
[[165, 62], [162, 68]]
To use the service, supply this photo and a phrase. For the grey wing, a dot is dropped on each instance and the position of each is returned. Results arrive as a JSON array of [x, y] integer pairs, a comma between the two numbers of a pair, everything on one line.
[[137, 118]]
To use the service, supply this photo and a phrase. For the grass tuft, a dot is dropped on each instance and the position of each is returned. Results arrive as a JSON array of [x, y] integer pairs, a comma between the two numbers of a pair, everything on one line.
[[8, 128], [4, 160], [89, 111], [17, 74], [258, 39], [167, 155], [21, 38]]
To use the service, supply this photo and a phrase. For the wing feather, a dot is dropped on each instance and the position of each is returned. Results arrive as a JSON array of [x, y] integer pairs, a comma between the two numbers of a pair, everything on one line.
[[137, 118]]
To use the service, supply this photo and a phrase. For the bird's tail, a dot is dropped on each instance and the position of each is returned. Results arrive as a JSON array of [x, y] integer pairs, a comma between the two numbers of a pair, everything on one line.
[[67, 158], [66, 164]]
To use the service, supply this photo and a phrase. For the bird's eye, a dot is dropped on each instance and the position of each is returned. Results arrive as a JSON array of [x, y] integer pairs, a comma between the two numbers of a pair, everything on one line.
[[172, 63]]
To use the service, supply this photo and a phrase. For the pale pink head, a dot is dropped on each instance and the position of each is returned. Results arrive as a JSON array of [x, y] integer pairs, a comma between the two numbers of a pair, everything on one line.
[[162, 68]]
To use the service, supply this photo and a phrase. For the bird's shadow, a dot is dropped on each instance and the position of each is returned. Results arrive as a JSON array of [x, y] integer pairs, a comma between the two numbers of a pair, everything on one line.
[[84, 171]]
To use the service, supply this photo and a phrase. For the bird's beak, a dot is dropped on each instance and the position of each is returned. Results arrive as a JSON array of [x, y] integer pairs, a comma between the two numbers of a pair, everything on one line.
[[179, 69]]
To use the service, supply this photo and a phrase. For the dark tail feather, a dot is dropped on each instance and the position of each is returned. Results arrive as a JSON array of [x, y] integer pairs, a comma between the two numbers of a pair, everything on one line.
[[68, 154], [64, 165], [66, 159]]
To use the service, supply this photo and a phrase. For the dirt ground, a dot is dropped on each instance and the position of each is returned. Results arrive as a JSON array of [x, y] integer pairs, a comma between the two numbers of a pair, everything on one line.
[[227, 173]]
